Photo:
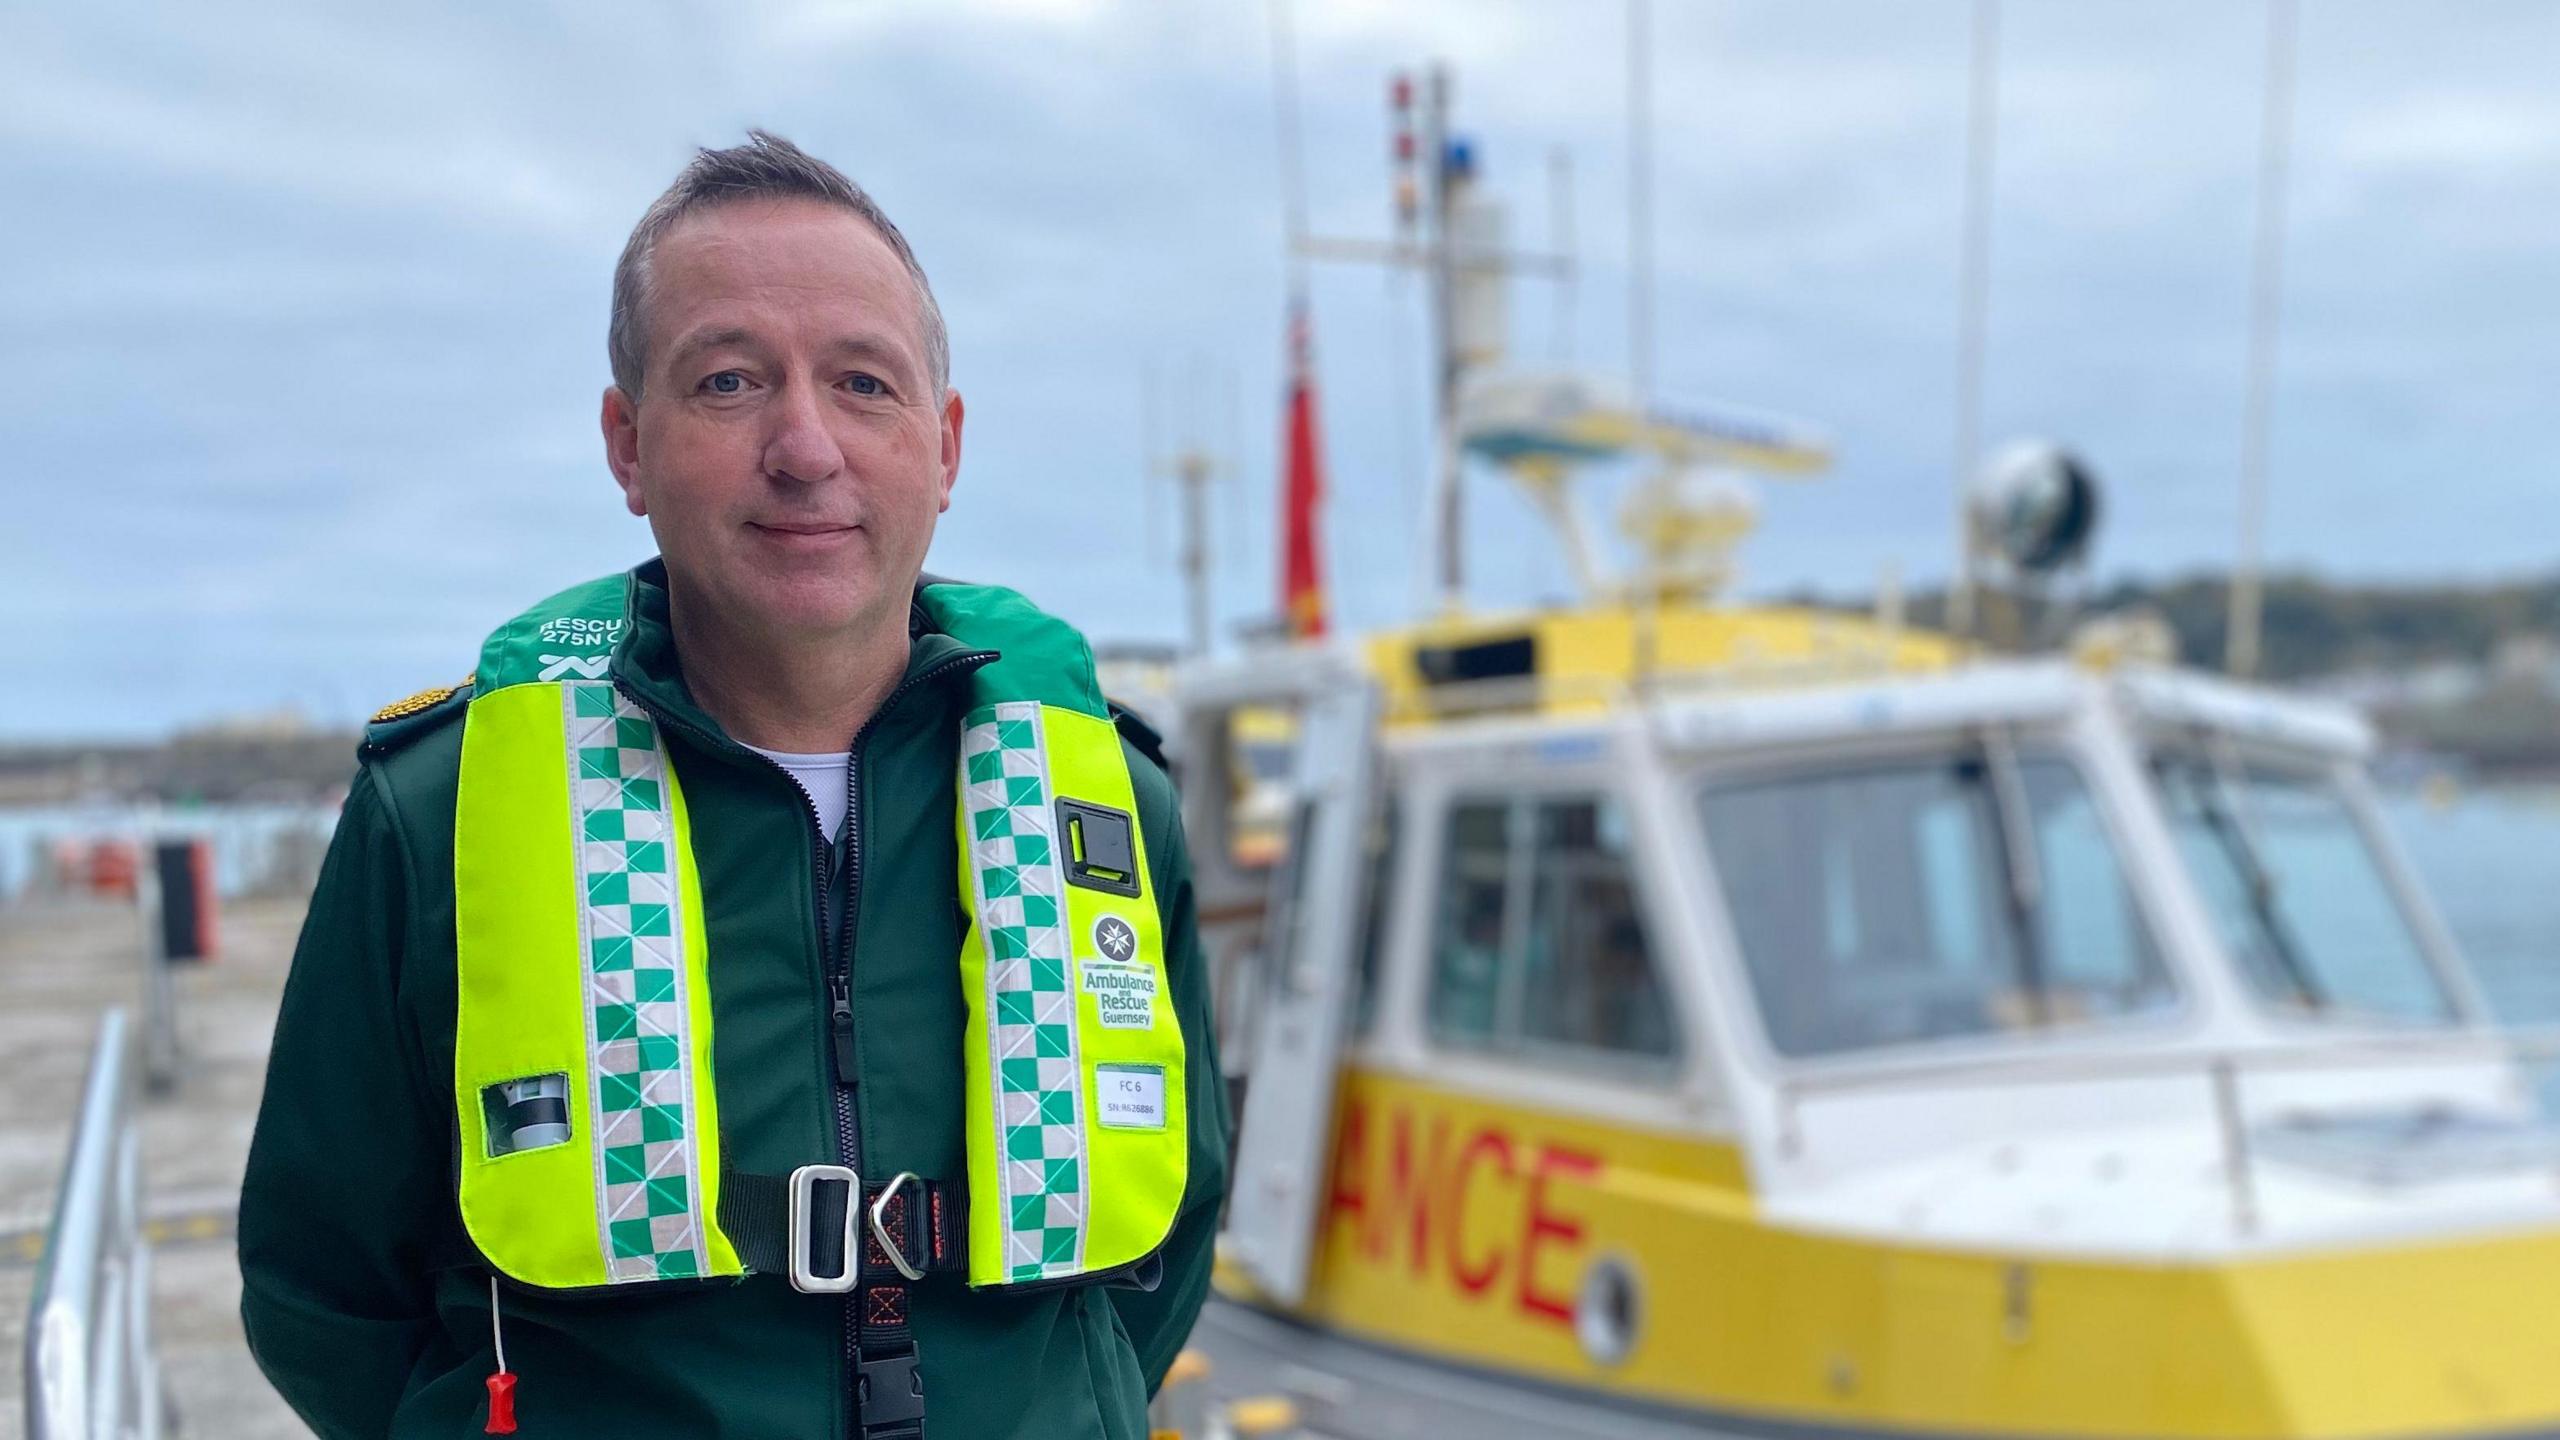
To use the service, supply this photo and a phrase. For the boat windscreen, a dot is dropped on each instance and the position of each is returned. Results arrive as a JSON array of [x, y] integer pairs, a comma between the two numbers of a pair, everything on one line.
[[2297, 893], [1892, 904]]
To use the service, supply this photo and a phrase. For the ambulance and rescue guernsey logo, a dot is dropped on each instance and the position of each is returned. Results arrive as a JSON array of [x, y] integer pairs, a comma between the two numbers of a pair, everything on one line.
[[1123, 986]]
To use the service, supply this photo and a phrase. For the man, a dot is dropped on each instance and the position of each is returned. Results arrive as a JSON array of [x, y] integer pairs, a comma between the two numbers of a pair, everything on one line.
[[764, 1001]]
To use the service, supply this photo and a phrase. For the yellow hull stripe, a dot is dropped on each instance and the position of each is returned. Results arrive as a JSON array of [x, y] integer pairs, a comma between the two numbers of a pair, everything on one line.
[[1464, 1229]]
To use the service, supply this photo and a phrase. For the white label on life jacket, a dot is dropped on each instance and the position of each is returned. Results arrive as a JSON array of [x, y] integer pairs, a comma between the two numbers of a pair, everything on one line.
[[1125, 995], [1132, 1096]]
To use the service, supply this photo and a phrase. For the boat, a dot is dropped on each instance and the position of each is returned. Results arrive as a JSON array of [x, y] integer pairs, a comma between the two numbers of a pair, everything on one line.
[[1961, 1046], [1669, 1015]]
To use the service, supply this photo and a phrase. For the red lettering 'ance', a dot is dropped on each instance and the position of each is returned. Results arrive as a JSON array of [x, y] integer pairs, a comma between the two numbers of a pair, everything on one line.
[[1543, 1225], [1414, 1192], [1475, 1280], [1349, 1197]]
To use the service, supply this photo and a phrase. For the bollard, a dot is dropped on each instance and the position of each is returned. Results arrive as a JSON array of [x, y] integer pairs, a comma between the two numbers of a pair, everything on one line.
[[177, 898], [1180, 1410]]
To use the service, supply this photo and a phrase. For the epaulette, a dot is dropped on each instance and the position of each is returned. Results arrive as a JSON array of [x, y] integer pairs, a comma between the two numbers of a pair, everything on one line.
[[401, 721], [1141, 736]]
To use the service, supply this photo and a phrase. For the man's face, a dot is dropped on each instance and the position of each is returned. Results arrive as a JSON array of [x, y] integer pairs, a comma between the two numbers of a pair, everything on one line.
[[787, 449]]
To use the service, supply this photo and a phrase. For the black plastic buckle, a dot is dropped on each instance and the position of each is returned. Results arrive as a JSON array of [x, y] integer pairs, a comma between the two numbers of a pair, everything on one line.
[[891, 1391]]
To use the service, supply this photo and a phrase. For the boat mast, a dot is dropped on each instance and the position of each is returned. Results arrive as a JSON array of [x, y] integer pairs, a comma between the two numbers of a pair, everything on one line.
[[1448, 494], [1436, 173], [1193, 470]]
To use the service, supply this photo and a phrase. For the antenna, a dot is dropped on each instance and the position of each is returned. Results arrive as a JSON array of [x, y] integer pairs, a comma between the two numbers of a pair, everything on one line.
[[1293, 169], [2266, 295], [1560, 242], [1973, 293], [1239, 526], [1640, 201], [1149, 445], [1188, 462]]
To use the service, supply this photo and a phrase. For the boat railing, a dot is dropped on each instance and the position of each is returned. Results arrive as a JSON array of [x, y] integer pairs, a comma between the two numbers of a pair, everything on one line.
[[2223, 1072], [90, 1370]]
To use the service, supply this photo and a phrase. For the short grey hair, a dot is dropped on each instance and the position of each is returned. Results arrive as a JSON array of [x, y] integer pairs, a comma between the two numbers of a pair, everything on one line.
[[767, 167]]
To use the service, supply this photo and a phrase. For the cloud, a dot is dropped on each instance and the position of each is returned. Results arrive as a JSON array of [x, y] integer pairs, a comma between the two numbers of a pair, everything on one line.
[[301, 308]]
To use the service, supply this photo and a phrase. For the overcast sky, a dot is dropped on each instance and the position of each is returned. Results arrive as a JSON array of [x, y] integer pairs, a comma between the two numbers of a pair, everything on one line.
[[302, 307]]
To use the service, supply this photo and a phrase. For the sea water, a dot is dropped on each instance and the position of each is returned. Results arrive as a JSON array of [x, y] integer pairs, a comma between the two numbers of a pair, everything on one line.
[[2491, 860]]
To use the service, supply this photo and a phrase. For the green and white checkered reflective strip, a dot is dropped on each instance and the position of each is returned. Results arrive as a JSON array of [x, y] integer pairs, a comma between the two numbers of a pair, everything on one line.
[[1030, 1000], [648, 1185]]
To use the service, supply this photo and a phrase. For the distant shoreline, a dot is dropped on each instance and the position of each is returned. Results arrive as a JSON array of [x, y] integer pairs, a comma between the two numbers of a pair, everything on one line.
[[265, 768], [2472, 746]]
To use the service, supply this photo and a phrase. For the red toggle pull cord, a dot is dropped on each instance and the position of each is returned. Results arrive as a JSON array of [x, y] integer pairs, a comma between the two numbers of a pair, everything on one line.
[[502, 1386], [502, 1404]]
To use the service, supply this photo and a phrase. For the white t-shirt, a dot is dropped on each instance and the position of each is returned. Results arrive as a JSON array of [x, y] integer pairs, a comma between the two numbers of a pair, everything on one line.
[[822, 778]]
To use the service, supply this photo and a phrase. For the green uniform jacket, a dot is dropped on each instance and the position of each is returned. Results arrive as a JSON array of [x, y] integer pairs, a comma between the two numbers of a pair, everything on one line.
[[368, 1309]]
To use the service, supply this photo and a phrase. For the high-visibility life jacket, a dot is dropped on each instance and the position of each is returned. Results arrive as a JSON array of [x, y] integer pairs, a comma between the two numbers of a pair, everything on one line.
[[585, 1085]]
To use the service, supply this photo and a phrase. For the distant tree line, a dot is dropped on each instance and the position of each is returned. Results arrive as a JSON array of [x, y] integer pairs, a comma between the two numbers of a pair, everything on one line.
[[2495, 721], [2316, 627]]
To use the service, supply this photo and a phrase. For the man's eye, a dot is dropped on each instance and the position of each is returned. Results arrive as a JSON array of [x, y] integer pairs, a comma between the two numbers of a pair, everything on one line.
[[727, 382], [865, 384]]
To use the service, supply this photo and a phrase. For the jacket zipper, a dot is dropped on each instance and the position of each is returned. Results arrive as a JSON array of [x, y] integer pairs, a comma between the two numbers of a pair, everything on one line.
[[835, 926], [838, 958], [838, 951]]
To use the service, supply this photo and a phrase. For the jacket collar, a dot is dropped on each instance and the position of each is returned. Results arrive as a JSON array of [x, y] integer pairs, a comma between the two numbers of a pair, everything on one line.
[[646, 664]]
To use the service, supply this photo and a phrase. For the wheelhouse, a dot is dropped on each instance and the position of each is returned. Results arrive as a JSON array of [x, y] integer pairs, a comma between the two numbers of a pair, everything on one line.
[[1842, 926]]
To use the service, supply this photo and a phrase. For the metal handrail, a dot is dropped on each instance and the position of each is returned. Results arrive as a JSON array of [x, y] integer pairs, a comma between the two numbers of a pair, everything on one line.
[[2222, 1069], [91, 1373], [2349, 1050]]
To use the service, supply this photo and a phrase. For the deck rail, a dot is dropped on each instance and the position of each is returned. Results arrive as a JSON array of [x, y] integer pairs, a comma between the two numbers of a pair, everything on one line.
[[90, 1370]]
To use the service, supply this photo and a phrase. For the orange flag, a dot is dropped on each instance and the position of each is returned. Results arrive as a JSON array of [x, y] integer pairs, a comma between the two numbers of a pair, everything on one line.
[[1302, 488]]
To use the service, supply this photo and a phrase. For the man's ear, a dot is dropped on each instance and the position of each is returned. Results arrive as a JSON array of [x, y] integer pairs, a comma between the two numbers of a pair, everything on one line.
[[621, 420], [952, 414]]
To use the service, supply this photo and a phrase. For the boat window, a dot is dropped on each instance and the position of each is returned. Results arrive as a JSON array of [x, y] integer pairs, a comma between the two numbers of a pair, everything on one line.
[[1468, 941], [1911, 902], [1540, 943], [1259, 752], [1587, 979], [2297, 893]]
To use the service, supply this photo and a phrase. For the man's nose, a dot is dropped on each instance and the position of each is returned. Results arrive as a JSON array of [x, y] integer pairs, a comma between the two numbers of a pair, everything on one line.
[[799, 446]]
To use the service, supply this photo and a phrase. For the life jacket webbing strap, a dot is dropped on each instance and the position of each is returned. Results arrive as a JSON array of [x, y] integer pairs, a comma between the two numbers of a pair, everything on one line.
[[927, 1219], [888, 1384]]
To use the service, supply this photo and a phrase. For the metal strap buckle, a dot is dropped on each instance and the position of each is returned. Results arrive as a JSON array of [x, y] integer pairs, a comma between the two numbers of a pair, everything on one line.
[[804, 1187], [880, 1230]]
